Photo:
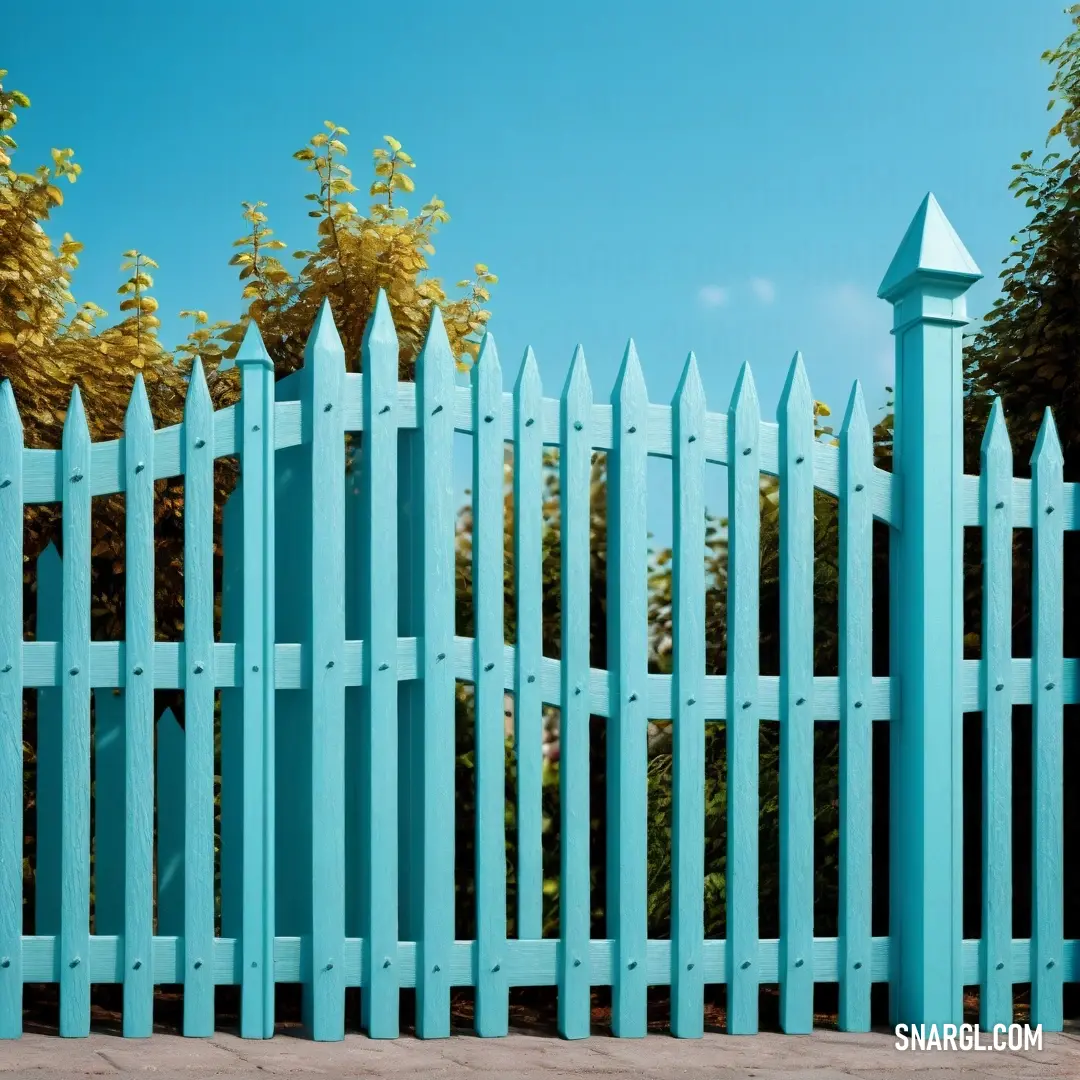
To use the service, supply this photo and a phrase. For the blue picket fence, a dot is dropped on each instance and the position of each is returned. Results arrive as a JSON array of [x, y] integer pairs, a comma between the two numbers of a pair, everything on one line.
[[338, 659]]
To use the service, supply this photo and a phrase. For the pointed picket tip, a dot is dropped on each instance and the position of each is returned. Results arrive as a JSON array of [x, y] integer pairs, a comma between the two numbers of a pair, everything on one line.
[[197, 391], [796, 399], [630, 382], [9, 409], [528, 379], [744, 397], [380, 329], [138, 409], [996, 436], [856, 422], [488, 359], [690, 389], [50, 557], [577, 378], [1047, 446], [324, 342], [76, 414], [436, 359], [252, 350], [930, 248], [166, 718]]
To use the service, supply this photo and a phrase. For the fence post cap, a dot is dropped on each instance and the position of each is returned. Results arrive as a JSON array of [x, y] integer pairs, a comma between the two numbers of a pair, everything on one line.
[[930, 254], [252, 351]]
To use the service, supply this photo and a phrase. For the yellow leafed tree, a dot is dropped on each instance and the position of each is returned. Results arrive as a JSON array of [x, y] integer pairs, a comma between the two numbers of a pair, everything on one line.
[[48, 342]]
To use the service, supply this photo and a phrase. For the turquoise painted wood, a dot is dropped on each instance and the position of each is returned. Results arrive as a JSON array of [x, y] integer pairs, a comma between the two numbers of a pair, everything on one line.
[[354, 736], [108, 880], [75, 729], [50, 598], [232, 721], [528, 702], [795, 419], [856, 726], [926, 283], [627, 730], [198, 707], [324, 368], [256, 441], [11, 714], [410, 705], [996, 996], [435, 754], [379, 626], [171, 799], [492, 988], [138, 702], [1047, 773], [337, 662], [743, 725], [575, 908], [688, 701], [293, 833]]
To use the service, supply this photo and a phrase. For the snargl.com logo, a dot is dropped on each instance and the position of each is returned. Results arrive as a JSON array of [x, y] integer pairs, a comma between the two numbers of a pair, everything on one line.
[[1001, 1037]]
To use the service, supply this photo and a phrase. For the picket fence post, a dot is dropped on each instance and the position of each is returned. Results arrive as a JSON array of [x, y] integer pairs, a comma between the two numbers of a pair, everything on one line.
[[379, 724], [256, 647], [925, 284], [11, 715]]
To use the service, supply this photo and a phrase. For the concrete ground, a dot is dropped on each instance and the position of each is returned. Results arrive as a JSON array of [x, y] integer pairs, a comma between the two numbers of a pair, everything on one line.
[[825, 1055]]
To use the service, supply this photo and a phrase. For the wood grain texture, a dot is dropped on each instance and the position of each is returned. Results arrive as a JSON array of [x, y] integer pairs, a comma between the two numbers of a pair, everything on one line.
[[198, 707], [996, 997], [856, 728], [528, 587], [379, 620], [138, 717], [743, 714], [11, 715], [575, 456], [435, 753], [627, 751], [688, 693], [796, 421], [257, 467], [1047, 767], [75, 731], [492, 990]]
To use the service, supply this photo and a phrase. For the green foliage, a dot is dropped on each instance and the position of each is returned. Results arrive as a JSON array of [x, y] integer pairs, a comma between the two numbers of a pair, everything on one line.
[[660, 767], [48, 342], [1027, 349]]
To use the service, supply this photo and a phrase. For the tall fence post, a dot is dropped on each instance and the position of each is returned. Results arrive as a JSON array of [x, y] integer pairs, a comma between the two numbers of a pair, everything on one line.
[[11, 715], [255, 442], [925, 284]]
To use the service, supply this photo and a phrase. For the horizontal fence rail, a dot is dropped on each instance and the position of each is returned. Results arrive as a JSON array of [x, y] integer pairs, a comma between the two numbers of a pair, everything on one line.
[[44, 478], [337, 665]]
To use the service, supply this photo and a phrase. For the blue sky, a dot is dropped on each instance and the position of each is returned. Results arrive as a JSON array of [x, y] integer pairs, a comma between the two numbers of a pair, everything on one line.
[[729, 178]]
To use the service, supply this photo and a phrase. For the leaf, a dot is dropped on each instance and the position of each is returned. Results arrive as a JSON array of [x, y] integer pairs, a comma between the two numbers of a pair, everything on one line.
[[390, 141]]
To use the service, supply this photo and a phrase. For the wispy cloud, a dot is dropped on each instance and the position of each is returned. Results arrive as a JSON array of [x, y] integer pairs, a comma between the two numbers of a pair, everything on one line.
[[763, 289], [863, 319], [713, 296]]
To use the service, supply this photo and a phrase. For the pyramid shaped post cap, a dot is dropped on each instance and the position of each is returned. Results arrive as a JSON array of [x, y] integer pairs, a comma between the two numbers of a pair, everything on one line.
[[252, 351], [930, 250]]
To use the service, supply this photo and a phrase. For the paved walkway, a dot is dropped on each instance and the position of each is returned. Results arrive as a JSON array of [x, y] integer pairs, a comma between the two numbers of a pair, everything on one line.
[[825, 1055]]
